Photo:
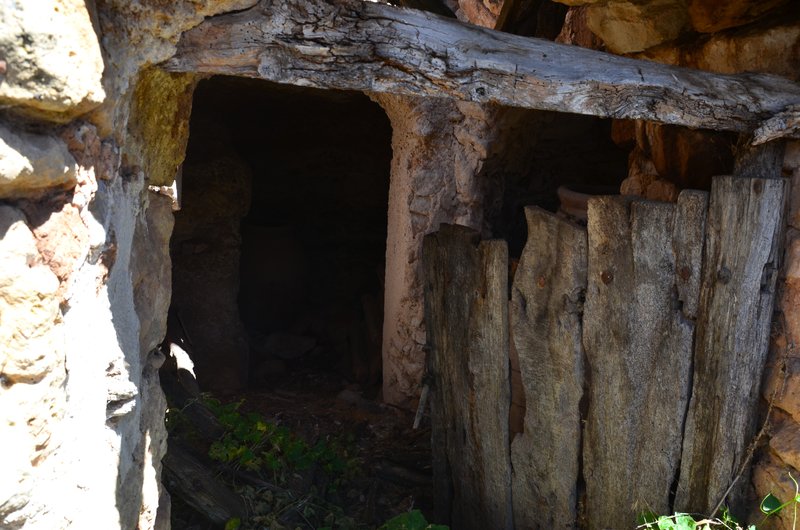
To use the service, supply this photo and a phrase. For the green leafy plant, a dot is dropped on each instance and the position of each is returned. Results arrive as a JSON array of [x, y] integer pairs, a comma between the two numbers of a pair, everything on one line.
[[413, 520], [770, 505], [685, 521], [253, 444]]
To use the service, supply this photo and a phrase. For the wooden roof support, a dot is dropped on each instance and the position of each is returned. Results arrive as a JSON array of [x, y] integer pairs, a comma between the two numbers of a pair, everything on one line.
[[354, 45]]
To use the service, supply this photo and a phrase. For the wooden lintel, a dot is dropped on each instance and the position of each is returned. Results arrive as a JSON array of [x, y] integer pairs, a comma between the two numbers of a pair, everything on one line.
[[354, 45]]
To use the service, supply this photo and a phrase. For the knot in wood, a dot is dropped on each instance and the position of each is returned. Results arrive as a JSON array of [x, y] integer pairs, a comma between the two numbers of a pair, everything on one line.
[[685, 273], [758, 186], [724, 275], [607, 277]]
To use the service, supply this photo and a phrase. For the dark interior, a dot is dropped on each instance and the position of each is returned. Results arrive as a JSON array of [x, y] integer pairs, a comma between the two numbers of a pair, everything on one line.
[[303, 189]]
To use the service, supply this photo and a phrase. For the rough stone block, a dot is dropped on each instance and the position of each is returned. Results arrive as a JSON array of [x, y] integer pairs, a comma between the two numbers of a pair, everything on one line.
[[768, 47], [28, 305], [710, 16], [771, 475], [33, 163], [31, 365], [627, 27], [52, 64], [788, 393], [786, 444], [159, 125]]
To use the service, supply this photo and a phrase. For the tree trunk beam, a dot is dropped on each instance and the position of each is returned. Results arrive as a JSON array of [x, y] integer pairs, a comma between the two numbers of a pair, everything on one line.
[[354, 45]]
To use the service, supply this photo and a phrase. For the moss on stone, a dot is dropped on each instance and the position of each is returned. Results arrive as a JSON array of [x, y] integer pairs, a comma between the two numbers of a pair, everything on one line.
[[159, 124]]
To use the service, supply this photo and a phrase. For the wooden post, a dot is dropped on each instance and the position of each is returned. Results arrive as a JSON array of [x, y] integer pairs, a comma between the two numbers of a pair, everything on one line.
[[738, 286], [638, 333], [546, 312], [466, 311]]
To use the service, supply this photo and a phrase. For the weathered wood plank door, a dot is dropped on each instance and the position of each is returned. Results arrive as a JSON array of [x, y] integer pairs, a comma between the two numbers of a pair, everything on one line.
[[666, 351]]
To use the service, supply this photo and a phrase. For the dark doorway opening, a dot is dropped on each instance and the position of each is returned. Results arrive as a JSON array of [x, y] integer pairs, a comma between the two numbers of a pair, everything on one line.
[[278, 257], [279, 248]]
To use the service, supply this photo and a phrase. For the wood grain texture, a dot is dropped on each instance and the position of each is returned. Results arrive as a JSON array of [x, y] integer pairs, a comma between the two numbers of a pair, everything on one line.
[[736, 302], [354, 45], [546, 311], [638, 344], [466, 311]]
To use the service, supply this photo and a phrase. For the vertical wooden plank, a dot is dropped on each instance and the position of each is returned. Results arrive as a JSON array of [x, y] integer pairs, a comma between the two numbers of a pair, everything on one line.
[[638, 344], [466, 311], [737, 293], [667, 246], [546, 311]]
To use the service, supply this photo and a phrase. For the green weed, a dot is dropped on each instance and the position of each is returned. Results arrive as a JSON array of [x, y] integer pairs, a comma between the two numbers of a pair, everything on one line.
[[769, 506]]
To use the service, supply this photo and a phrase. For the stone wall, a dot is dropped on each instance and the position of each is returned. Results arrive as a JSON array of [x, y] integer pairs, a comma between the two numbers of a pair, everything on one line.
[[86, 132]]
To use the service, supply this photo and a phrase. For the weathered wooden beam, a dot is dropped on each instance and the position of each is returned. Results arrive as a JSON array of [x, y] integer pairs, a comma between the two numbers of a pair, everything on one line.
[[546, 312], [466, 313], [354, 45]]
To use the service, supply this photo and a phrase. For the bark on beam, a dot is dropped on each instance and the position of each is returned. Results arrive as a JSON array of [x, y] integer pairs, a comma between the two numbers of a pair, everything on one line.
[[354, 45]]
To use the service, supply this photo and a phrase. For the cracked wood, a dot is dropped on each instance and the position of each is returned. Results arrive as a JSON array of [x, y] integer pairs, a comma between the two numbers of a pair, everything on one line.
[[740, 264], [353, 45], [638, 329]]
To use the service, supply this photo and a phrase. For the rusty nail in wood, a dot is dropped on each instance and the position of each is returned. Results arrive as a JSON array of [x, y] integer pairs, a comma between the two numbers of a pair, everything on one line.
[[540, 281], [757, 187], [3, 67], [724, 275], [607, 277], [685, 273]]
